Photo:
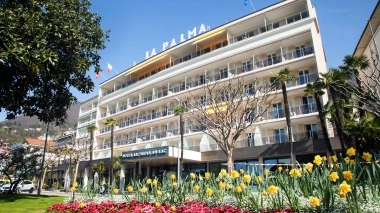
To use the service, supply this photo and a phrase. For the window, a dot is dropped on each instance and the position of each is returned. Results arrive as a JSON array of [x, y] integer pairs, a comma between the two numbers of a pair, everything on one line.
[[250, 139], [276, 25], [277, 110], [250, 166], [223, 73], [305, 14], [304, 77], [270, 161], [203, 100], [308, 105], [312, 131], [216, 167], [246, 66], [249, 89], [300, 50], [279, 135], [272, 59], [202, 79], [240, 37], [206, 50]]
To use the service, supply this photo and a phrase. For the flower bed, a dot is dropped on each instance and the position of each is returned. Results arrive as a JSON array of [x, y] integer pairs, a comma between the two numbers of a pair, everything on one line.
[[348, 184]]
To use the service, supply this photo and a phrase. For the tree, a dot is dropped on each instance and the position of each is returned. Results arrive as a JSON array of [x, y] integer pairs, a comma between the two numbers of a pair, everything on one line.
[[179, 111], [46, 48], [52, 157], [316, 89], [112, 123], [334, 81], [20, 162], [91, 128], [100, 168], [228, 109], [280, 79]]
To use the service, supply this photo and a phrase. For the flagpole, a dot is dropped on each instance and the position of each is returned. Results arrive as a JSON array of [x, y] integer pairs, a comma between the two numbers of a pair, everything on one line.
[[252, 5]]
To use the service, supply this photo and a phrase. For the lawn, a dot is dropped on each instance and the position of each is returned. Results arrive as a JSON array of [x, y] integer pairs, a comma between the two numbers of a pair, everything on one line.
[[20, 203]]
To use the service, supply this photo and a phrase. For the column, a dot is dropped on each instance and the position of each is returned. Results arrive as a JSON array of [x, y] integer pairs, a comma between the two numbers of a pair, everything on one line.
[[85, 177]]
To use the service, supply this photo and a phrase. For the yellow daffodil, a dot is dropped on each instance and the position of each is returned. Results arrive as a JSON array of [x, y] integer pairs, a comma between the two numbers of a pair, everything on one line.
[[266, 172], [348, 175], [314, 201], [247, 178], [324, 158], [172, 176], [192, 175], [148, 181], [155, 182], [241, 171], [334, 176], [258, 179], [115, 191], [272, 189], [309, 167], [159, 193], [280, 168], [333, 159], [295, 173], [174, 184], [196, 188], [172, 208], [366, 156], [238, 189], [318, 160], [351, 151], [73, 189], [344, 188], [143, 190], [235, 174], [209, 192], [130, 188], [227, 186], [82, 205], [200, 177], [75, 184], [265, 193], [157, 204], [242, 185], [347, 160], [207, 175], [352, 162], [223, 172], [221, 185]]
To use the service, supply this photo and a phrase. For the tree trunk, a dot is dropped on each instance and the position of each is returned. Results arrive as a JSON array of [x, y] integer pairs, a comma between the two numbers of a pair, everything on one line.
[[51, 177], [181, 132], [111, 159], [43, 178], [76, 171], [230, 162], [323, 123], [338, 121], [288, 122], [91, 147]]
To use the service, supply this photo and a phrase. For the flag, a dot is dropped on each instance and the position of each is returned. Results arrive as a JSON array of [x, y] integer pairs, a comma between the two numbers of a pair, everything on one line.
[[109, 68], [97, 75], [245, 2]]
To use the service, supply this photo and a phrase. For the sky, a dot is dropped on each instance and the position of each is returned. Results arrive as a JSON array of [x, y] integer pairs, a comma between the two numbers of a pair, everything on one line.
[[138, 26]]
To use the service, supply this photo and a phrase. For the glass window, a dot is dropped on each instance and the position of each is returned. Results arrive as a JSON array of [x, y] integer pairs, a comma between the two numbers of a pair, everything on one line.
[[270, 163], [250, 166], [246, 66], [312, 131], [301, 159], [216, 167], [251, 139], [277, 110], [308, 105], [304, 77], [279, 135]]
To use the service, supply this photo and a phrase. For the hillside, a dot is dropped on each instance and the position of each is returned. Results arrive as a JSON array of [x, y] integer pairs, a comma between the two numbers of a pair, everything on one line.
[[23, 121]]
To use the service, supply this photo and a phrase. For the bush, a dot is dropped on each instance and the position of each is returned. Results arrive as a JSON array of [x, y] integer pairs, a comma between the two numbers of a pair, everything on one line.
[[45, 186], [56, 185]]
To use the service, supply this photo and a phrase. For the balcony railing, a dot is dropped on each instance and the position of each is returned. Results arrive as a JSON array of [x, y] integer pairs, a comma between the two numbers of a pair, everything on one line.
[[255, 32], [283, 138], [294, 111]]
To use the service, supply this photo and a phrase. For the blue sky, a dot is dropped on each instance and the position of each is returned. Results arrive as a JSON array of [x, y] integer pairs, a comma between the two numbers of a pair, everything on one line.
[[138, 26]]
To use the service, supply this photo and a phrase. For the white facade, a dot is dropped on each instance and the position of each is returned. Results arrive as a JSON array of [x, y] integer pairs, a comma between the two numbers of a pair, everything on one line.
[[258, 45], [87, 116]]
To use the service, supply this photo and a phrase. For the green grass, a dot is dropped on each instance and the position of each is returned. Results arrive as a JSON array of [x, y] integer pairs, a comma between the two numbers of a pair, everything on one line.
[[20, 203]]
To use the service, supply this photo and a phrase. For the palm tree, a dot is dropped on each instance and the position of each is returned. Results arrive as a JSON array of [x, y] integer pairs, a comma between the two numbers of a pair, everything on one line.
[[315, 89], [111, 122], [91, 128], [284, 76], [334, 80], [179, 111]]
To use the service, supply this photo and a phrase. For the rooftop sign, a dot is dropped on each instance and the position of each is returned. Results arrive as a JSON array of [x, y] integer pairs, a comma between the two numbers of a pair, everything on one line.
[[190, 34]]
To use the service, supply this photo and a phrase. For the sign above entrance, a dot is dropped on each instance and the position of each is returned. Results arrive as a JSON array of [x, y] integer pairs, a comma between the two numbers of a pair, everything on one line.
[[162, 151]]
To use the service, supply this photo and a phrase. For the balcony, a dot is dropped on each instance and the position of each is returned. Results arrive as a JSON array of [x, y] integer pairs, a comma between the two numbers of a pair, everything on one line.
[[294, 111], [266, 28]]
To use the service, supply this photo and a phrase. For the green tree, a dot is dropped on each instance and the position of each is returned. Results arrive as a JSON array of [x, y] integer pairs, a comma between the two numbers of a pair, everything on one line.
[[316, 89], [280, 79], [91, 129], [46, 48], [334, 80], [112, 123], [179, 111]]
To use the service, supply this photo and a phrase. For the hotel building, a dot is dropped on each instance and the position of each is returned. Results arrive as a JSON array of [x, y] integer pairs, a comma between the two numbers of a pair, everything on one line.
[[142, 98]]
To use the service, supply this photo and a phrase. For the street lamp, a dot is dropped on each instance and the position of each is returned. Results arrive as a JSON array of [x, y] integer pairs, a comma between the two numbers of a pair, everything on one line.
[[179, 135]]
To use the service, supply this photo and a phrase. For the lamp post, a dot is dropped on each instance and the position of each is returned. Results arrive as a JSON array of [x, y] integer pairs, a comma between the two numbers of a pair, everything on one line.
[[43, 162], [179, 135]]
